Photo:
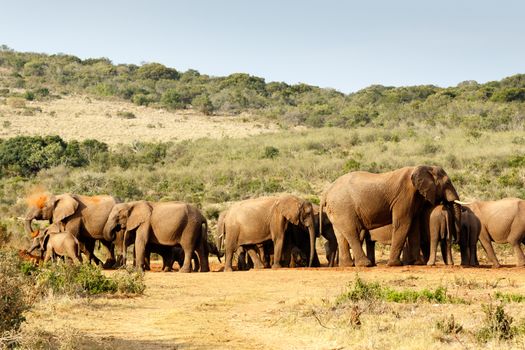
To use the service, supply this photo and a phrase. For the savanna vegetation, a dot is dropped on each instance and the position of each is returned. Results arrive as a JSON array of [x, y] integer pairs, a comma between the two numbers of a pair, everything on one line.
[[475, 131], [496, 105]]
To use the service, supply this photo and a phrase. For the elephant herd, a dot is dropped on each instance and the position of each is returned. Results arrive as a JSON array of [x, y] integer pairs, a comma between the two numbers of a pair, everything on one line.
[[414, 209]]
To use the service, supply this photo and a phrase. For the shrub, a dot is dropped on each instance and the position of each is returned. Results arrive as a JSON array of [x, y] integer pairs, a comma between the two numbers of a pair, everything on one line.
[[508, 297], [157, 71], [126, 115], [496, 325], [271, 152], [171, 99], [87, 279], [449, 325], [203, 104], [14, 300], [361, 290]]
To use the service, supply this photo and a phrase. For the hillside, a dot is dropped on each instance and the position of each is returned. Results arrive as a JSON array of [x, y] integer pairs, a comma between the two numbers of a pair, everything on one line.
[[80, 117], [495, 105]]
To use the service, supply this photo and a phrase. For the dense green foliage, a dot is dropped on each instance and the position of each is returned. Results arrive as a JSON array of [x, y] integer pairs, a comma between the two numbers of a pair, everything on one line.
[[493, 105]]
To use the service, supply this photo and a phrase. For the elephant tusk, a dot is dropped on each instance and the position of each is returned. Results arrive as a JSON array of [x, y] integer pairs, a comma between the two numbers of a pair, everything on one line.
[[462, 203]]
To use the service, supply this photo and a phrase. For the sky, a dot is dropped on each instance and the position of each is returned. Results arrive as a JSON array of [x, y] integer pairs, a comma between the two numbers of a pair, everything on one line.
[[346, 45]]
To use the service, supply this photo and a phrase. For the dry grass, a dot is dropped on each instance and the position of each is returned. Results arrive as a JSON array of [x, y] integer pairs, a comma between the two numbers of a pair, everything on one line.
[[77, 117], [286, 309]]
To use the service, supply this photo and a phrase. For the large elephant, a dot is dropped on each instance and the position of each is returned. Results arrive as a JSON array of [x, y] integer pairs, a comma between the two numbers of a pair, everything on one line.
[[364, 201], [163, 223], [254, 221], [83, 216], [501, 221], [470, 229]]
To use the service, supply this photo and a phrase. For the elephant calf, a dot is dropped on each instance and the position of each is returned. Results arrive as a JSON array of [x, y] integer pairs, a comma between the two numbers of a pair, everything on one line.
[[440, 229], [54, 242], [470, 229]]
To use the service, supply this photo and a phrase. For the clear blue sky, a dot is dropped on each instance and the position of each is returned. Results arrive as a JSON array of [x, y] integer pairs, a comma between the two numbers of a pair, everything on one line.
[[347, 45]]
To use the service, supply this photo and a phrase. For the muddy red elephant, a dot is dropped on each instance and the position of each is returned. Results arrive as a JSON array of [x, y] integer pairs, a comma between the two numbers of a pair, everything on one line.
[[83, 216]]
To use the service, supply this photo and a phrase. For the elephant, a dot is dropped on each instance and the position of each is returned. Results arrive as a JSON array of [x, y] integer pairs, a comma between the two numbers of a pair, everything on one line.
[[440, 229], [83, 216], [501, 221], [53, 241], [364, 201], [163, 223], [470, 229], [169, 254], [254, 221]]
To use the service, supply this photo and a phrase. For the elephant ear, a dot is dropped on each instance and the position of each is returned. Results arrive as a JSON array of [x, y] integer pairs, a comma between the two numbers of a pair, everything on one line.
[[424, 182], [290, 208], [139, 213], [65, 206]]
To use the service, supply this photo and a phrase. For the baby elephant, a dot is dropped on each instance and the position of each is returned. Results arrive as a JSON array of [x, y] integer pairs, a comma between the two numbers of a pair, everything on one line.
[[53, 242], [441, 229]]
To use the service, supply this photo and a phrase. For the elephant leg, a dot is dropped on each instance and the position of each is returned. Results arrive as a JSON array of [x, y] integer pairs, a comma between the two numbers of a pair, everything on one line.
[[196, 263], [487, 246], [140, 248], [516, 244], [465, 249], [433, 250], [450, 259], [278, 243], [343, 236], [229, 249], [474, 253], [399, 235], [111, 261], [257, 263], [202, 264], [186, 267], [371, 250]]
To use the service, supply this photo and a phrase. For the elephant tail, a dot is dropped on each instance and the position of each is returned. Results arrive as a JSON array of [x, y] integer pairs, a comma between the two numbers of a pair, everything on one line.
[[321, 205], [221, 231], [204, 236]]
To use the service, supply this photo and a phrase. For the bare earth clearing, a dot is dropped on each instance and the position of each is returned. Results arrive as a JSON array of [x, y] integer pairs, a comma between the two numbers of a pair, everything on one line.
[[281, 309], [80, 118]]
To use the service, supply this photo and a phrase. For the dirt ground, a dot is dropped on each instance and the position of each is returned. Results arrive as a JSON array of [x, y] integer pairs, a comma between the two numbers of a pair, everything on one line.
[[280, 309]]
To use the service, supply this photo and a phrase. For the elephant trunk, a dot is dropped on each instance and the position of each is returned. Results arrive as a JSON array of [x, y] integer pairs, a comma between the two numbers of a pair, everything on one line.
[[311, 231], [109, 230], [124, 248], [457, 222], [27, 225]]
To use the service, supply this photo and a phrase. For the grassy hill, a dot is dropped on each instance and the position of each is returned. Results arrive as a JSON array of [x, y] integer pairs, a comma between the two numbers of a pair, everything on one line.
[[493, 105], [159, 150]]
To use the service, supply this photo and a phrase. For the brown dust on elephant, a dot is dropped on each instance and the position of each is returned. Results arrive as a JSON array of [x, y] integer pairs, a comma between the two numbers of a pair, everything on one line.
[[83, 216], [161, 223], [254, 221], [364, 201], [501, 221]]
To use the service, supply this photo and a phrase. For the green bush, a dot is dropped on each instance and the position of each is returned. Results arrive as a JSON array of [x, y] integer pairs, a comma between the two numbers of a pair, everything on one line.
[[496, 325], [171, 99], [87, 279], [27, 155], [270, 152], [361, 290]]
